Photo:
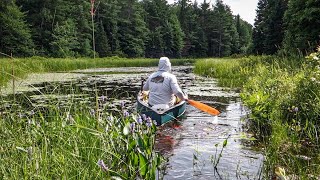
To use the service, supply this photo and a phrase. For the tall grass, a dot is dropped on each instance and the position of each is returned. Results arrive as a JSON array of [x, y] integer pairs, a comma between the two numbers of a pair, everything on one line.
[[24, 66], [283, 96], [229, 71], [76, 143]]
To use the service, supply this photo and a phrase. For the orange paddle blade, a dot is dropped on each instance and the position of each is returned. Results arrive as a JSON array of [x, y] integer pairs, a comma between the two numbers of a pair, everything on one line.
[[204, 107]]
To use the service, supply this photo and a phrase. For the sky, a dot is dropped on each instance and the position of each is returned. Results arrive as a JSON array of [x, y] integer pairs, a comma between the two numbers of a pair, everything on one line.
[[245, 8]]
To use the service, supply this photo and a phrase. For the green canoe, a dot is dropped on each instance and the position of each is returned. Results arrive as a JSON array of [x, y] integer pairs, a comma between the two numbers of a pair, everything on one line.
[[160, 113]]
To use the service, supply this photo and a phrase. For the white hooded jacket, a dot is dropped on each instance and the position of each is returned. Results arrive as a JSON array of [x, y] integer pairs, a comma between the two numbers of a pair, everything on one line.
[[162, 85]]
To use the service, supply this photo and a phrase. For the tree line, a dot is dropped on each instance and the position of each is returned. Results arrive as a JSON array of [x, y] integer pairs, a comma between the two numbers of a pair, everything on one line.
[[126, 28], [152, 28], [289, 27]]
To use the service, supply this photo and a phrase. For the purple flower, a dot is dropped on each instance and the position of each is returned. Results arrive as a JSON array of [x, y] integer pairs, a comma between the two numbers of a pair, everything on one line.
[[132, 126], [155, 122], [103, 98], [296, 109], [102, 165], [31, 112], [149, 122], [20, 115], [144, 117], [126, 113], [122, 104], [139, 119]]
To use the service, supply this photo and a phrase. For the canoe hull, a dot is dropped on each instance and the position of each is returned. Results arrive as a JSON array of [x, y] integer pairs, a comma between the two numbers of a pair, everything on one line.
[[167, 116]]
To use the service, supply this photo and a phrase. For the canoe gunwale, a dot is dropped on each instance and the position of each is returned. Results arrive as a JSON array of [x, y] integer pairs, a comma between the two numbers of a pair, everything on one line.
[[165, 116]]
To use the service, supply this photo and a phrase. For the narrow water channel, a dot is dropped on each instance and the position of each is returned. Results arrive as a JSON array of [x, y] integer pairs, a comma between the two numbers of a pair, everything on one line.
[[200, 137], [192, 145]]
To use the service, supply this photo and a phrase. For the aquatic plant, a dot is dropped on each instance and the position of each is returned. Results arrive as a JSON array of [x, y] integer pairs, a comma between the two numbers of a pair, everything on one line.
[[25, 66], [57, 144], [216, 158], [283, 97]]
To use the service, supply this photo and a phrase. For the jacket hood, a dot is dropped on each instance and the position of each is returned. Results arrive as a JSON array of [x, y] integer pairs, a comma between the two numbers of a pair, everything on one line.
[[164, 64]]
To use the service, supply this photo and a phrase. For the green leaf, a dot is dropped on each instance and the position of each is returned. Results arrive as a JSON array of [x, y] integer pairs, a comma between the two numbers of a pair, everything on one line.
[[131, 145], [225, 142], [143, 164]]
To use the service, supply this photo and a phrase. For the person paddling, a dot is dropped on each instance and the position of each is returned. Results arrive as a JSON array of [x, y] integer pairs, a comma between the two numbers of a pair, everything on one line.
[[163, 86]]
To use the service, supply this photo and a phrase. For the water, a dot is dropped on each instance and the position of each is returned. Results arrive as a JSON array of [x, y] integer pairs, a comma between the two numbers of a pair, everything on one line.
[[200, 138], [192, 145]]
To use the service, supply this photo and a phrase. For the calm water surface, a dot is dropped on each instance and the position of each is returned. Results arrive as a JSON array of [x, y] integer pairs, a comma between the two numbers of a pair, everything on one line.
[[192, 145]]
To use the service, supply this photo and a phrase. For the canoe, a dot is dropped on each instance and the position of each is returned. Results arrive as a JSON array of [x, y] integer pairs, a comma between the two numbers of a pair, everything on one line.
[[160, 113]]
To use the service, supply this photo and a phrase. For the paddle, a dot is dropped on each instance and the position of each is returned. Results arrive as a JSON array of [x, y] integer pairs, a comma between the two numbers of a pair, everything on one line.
[[203, 107]]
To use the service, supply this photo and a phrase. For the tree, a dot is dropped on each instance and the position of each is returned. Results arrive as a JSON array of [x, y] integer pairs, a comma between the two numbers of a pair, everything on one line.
[[302, 26], [65, 39], [244, 30], [15, 36], [108, 16], [259, 28], [225, 39], [102, 44], [274, 29], [132, 28], [164, 29]]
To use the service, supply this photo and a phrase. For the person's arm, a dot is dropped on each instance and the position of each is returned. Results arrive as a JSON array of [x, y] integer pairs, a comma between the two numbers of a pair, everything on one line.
[[176, 89], [146, 85]]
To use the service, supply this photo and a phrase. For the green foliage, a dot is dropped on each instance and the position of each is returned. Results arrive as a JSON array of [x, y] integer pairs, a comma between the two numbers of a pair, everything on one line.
[[15, 36], [22, 67], [131, 29], [283, 98], [268, 32], [303, 109], [302, 22], [102, 43], [244, 30], [74, 143], [65, 39], [230, 72]]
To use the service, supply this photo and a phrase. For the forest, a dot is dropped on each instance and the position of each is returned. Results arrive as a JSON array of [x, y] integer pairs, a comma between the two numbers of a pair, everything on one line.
[[150, 28]]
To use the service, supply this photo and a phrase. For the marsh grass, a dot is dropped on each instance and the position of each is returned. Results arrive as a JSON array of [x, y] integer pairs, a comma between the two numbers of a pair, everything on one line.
[[24, 66], [76, 142], [283, 96], [227, 71]]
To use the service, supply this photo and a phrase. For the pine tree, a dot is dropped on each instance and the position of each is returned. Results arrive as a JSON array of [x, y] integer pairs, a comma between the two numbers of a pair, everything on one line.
[[165, 37], [202, 30], [177, 39], [82, 19], [102, 44], [65, 40], [302, 26], [274, 29], [225, 40], [132, 28], [108, 15], [15, 36], [244, 30], [258, 35]]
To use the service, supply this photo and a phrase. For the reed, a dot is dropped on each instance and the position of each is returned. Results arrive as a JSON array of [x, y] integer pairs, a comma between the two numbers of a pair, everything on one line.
[[25, 66]]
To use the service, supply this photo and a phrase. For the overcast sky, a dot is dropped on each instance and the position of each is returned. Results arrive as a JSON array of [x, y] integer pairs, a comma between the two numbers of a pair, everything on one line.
[[245, 8]]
